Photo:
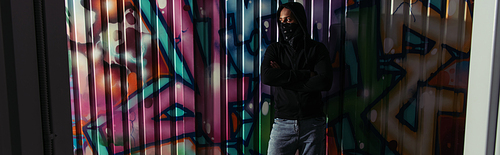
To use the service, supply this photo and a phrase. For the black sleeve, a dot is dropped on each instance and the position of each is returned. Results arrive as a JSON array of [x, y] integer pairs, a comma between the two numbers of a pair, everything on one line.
[[279, 77], [323, 80]]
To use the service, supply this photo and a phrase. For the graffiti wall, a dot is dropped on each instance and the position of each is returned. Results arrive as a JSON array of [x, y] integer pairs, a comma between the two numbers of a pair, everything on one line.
[[183, 76]]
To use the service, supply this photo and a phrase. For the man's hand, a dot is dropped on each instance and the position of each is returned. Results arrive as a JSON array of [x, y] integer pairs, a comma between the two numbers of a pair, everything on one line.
[[313, 73], [275, 65]]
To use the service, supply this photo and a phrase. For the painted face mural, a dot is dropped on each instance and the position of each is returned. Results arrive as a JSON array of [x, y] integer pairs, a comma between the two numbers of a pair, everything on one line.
[[182, 76]]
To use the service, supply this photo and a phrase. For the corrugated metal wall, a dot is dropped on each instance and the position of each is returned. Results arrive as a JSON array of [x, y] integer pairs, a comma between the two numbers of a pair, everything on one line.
[[182, 76]]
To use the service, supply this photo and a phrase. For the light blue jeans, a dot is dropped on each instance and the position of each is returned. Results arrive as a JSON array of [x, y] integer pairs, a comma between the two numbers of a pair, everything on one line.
[[307, 136]]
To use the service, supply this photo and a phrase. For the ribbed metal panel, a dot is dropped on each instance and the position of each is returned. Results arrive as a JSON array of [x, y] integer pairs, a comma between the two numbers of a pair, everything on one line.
[[183, 76]]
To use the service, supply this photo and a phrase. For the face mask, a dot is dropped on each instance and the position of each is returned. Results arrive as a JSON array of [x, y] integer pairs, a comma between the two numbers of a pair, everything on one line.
[[288, 29]]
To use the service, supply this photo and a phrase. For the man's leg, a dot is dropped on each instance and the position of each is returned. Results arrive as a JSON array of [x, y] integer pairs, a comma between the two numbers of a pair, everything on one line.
[[284, 137], [312, 136]]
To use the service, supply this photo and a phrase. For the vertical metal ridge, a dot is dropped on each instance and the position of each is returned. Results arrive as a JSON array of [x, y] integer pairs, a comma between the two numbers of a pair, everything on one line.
[[107, 75], [90, 53], [124, 102], [43, 77], [223, 42], [139, 135], [181, 97], [76, 100], [461, 38], [223, 74], [171, 87], [240, 58], [311, 18], [494, 90], [76, 86], [259, 86], [329, 41], [173, 124], [156, 81], [256, 77]]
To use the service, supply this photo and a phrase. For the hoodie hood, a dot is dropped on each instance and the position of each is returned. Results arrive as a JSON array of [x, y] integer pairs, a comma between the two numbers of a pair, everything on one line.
[[299, 12]]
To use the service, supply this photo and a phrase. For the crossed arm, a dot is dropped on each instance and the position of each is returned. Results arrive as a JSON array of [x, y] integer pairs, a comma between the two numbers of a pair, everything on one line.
[[318, 79]]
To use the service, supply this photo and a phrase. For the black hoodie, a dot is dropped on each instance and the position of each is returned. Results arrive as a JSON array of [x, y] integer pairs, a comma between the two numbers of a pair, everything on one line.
[[297, 95]]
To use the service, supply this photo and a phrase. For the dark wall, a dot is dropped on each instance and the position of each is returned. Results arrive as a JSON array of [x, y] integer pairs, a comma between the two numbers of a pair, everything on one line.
[[34, 110]]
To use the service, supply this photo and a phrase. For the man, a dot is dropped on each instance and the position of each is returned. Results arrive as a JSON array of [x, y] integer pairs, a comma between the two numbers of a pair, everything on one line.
[[298, 69]]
